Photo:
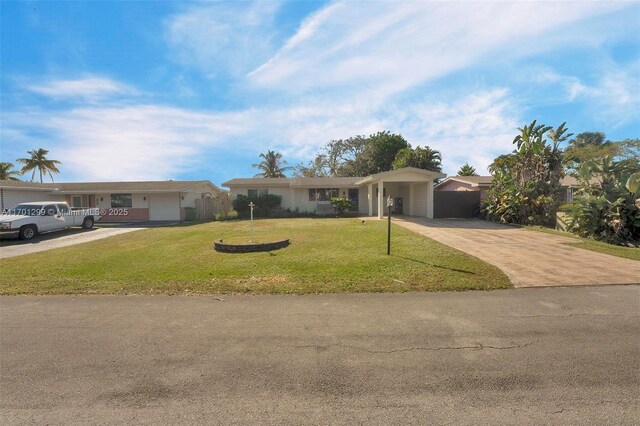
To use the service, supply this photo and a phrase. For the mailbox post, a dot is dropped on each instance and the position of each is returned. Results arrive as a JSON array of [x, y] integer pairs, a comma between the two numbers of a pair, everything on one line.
[[252, 206], [389, 205]]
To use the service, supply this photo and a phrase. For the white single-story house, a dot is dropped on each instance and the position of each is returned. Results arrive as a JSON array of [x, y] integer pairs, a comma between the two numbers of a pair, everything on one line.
[[410, 188], [119, 201], [568, 185]]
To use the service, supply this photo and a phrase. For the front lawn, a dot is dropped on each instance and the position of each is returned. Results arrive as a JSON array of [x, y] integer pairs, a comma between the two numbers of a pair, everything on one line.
[[325, 255]]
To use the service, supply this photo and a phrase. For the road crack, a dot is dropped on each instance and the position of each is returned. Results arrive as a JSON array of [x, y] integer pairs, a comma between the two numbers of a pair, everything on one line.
[[477, 347]]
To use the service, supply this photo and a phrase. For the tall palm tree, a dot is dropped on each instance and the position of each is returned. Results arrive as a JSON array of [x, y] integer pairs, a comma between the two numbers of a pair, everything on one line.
[[421, 158], [6, 173], [39, 162], [467, 170], [271, 165]]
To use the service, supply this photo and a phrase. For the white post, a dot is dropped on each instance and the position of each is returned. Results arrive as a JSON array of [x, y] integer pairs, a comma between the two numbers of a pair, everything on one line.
[[410, 199], [252, 206], [430, 199], [370, 198], [380, 199]]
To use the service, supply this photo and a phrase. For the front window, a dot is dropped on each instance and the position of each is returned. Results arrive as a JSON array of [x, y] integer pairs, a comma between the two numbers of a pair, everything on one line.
[[121, 200], [255, 193], [322, 194]]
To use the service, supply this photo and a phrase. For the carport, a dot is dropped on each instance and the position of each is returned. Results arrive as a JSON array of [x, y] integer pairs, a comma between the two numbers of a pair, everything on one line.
[[411, 188]]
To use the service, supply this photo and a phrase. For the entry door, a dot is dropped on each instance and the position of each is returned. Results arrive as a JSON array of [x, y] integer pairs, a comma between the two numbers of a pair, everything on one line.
[[353, 197]]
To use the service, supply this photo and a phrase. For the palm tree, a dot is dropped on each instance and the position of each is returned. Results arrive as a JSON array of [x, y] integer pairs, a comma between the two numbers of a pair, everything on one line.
[[39, 162], [421, 158], [271, 165], [6, 173], [467, 170]]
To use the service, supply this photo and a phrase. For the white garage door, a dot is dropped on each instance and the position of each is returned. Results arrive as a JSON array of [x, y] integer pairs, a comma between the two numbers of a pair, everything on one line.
[[164, 207]]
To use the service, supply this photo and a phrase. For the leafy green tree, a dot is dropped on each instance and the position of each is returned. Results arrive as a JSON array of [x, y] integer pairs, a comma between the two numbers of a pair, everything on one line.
[[421, 158], [379, 153], [40, 163], [6, 173], [271, 165], [355, 156], [467, 170], [526, 182]]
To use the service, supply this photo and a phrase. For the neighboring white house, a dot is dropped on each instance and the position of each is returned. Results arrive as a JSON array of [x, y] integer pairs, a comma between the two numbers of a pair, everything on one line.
[[118, 201], [411, 189]]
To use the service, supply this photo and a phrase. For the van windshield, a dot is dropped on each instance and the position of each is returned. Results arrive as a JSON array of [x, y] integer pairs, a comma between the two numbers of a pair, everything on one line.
[[27, 210]]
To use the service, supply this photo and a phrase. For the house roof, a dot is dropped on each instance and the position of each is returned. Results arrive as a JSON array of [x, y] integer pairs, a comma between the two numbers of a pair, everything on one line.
[[470, 180], [93, 187], [323, 182], [390, 173], [475, 181], [258, 182]]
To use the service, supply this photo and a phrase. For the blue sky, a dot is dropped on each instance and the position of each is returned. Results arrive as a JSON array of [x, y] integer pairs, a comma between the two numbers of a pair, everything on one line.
[[128, 90]]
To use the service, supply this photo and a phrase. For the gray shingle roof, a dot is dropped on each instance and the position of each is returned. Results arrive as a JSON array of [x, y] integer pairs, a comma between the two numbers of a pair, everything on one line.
[[139, 186]]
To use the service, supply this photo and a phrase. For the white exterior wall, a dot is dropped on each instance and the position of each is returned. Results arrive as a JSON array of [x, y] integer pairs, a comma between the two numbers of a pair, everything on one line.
[[420, 200], [13, 197]]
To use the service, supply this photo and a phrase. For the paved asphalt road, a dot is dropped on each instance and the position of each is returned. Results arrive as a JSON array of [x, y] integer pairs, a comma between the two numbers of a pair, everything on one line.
[[525, 356]]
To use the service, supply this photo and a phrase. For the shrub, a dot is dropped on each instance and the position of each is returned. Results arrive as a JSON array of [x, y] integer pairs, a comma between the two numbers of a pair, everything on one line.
[[341, 204], [607, 211], [264, 205], [231, 215]]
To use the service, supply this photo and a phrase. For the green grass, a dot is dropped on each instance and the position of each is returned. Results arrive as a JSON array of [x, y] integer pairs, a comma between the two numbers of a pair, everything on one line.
[[587, 244], [325, 255]]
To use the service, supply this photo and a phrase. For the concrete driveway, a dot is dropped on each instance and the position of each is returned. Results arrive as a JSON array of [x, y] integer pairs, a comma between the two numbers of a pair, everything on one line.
[[530, 259], [68, 237], [564, 356]]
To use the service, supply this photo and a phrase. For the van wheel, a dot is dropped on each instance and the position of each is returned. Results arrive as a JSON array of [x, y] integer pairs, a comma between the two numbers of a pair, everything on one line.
[[28, 232], [88, 223]]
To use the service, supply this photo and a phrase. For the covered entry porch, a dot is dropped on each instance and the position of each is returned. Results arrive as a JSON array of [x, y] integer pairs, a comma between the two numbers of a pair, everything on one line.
[[410, 188]]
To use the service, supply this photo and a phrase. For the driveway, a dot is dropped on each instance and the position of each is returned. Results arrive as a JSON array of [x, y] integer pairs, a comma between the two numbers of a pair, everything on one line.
[[529, 357], [530, 259], [68, 237]]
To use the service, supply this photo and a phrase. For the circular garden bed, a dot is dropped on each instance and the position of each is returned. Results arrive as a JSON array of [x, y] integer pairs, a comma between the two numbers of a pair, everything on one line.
[[221, 246]]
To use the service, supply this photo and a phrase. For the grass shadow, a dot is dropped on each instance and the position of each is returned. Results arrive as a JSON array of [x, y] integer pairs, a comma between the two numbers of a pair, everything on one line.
[[434, 266]]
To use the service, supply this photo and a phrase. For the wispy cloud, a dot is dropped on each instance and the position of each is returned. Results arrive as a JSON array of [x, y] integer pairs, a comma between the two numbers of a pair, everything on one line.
[[397, 45], [87, 88], [223, 37]]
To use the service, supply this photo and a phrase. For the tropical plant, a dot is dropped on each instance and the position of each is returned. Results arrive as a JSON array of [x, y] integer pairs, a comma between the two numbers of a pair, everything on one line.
[[467, 170], [526, 182], [341, 204], [40, 163], [6, 173], [607, 206], [421, 158], [271, 165]]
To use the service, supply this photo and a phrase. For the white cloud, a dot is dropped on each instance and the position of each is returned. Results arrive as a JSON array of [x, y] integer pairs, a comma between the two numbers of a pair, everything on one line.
[[223, 37], [393, 46], [88, 88], [142, 141]]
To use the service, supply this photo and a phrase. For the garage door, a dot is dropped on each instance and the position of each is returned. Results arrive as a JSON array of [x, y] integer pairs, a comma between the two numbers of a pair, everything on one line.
[[164, 207]]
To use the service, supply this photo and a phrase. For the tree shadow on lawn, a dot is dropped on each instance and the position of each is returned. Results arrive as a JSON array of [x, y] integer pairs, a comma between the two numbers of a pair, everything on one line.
[[433, 265]]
